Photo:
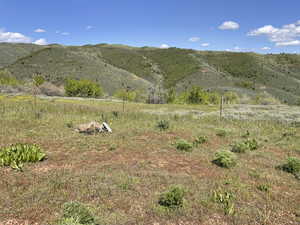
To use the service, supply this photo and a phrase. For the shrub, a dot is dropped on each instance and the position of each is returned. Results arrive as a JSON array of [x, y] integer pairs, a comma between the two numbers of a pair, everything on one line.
[[17, 154], [130, 96], [214, 98], [173, 198], [171, 96], [83, 88], [163, 125], [200, 140], [240, 147], [183, 145], [77, 213], [38, 80], [291, 166], [197, 96], [225, 159], [231, 97], [248, 145], [252, 144], [6, 78]]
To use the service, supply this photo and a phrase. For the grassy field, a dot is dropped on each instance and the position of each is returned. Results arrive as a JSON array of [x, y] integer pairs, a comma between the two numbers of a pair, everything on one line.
[[120, 176]]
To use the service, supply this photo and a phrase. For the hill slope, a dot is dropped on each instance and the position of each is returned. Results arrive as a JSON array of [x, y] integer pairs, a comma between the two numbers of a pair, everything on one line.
[[112, 65]]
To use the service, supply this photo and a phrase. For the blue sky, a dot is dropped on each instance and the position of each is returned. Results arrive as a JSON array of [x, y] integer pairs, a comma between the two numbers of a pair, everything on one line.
[[234, 25]]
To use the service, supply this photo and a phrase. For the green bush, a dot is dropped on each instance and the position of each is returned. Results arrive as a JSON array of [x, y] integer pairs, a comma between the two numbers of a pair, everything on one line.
[[240, 147], [6, 78], [225, 159], [183, 145], [83, 88], [131, 96], [173, 198], [292, 166], [77, 213], [231, 97], [17, 154], [197, 96], [248, 145], [163, 125]]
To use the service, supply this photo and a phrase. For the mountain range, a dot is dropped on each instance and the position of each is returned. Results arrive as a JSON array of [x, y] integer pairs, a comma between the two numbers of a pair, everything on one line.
[[113, 66]]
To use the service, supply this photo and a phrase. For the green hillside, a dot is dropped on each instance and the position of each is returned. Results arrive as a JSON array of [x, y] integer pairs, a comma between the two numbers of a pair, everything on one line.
[[9, 53], [277, 75]]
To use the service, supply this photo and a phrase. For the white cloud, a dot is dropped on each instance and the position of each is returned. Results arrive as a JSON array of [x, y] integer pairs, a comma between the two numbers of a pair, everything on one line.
[[205, 44], [194, 39], [65, 33], [13, 37], [164, 46], [284, 36], [57, 32], [89, 27], [229, 25], [39, 30], [41, 41], [288, 43], [265, 48]]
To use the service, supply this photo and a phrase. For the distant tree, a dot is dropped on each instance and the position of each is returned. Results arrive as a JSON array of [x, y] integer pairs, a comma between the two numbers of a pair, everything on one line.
[[83, 88]]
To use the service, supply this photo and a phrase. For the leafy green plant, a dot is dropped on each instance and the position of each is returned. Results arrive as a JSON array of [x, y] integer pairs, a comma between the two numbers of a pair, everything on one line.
[[240, 147], [291, 166], [163, 125], [17, 154], [225, 159], [173, 198], [200, 140], [183, 145], [252, 144], [197, 96], [224, 198], [77, 213], [248, 145], [83, 88], [6, 78]]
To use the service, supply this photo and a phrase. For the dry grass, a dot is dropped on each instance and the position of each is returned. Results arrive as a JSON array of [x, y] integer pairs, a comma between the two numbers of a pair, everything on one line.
[[120, 176]]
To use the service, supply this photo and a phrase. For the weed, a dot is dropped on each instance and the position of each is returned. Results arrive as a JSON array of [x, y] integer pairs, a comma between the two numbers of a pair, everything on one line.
[[17, 154], [224, 198], [173, 198], [200, 140], [291, 166], [115, 114], [77, 213], [225, 159], [221, 133], [70, 124], [163, 125], [264, 187], [183, 145]]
